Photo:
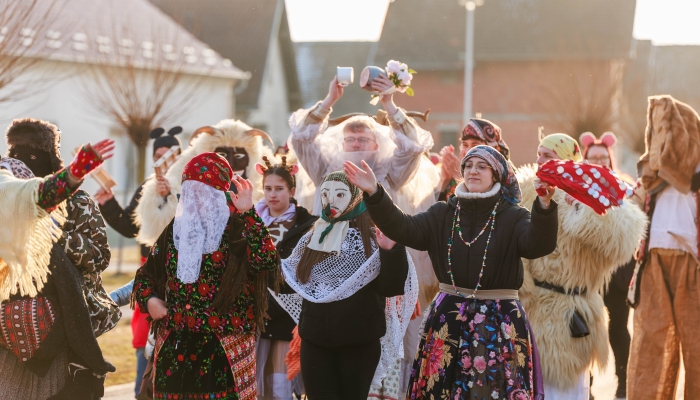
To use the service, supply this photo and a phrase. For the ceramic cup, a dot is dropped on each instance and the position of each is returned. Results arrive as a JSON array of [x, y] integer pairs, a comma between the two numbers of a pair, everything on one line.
[[345, 75], [368, 75]]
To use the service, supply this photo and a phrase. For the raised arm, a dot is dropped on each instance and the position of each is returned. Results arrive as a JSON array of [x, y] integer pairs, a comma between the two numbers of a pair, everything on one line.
[[120, 219], [537, 231], [306, 126], [411, 140], [412, 231], [261, 252], [60, 186]]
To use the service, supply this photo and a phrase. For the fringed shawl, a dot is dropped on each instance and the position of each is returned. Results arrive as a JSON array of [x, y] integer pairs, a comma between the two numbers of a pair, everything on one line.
[[27, 233]]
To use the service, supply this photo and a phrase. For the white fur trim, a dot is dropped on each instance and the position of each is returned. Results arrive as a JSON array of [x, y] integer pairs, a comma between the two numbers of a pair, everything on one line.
[[153, 217], [462, 192]]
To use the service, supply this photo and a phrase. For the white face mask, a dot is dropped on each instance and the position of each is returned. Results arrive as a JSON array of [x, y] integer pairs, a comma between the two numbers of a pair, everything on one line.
[[337, 195]]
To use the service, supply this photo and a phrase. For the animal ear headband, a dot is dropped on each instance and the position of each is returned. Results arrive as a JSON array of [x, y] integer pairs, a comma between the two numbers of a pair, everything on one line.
[[608, 139], [158, 132], [292, 169]]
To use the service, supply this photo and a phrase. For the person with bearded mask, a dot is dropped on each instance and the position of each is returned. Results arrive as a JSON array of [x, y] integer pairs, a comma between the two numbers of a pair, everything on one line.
[[49, 351], [205, 286], [477, 132], [476, 341], [396, 153], [359, 290], [562, 291]]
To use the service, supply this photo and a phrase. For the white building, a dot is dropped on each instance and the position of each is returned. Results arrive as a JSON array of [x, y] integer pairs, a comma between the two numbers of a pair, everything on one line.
[[255, 36], [84, 32]]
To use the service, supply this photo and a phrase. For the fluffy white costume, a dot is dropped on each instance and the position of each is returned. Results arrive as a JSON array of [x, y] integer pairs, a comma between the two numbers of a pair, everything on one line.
[[154, 213], [589, 248]]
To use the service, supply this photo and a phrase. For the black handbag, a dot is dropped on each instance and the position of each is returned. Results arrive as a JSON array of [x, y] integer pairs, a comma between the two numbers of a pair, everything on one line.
[[578, 326]]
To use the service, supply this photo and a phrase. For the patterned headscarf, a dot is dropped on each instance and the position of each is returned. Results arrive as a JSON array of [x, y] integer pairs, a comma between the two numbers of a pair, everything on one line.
[[563, 145], [503, 170], [17, 167], [487, 131]]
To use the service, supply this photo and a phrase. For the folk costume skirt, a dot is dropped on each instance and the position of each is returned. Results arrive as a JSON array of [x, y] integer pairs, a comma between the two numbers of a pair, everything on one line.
[[192, 365], [473, 349]]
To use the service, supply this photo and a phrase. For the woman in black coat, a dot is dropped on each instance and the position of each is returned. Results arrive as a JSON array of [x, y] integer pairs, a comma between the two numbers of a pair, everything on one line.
[[476, 343], [287, 223]]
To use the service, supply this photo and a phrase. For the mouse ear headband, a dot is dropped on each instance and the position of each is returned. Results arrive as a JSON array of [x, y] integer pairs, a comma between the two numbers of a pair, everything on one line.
[[608, 139]]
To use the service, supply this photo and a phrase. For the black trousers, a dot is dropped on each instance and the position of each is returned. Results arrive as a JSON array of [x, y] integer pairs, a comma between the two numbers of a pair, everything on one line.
[[619, 335], [338, 373]]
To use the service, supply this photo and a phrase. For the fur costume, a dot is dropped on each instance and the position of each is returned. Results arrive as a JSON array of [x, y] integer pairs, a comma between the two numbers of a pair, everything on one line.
[[589, 248], [38, 134], [153, 214], [672, 141]]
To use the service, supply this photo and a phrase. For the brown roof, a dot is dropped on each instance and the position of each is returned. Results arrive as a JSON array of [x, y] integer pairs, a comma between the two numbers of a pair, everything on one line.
[[240, 30], [100, 30], [429, 34]]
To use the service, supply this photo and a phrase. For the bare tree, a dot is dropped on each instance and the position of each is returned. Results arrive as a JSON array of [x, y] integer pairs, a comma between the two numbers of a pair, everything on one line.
[[583, 96], [144, 86], [25, 38]]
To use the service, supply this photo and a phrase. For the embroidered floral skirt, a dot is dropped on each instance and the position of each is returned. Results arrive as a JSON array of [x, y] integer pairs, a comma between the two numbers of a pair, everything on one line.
[[193, 366], [473, 349]]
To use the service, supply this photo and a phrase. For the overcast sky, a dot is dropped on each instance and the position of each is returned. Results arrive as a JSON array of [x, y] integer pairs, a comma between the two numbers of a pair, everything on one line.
[[662, 21]]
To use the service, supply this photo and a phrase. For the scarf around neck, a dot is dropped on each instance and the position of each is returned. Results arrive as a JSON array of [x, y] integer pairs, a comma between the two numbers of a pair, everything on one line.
[[264, 212]]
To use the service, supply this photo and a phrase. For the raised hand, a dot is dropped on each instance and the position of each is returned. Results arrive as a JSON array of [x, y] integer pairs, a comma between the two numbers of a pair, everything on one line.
[[104, 148], [90, 157], [363, 177], [545, 192], [335, 92], [383, 241], [450, 163], [102, 196], [162, 186], [381, 84], [244, 199]]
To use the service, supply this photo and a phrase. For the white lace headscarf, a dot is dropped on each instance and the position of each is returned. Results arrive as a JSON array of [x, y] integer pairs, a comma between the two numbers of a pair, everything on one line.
[[202, 212], [200, 220]]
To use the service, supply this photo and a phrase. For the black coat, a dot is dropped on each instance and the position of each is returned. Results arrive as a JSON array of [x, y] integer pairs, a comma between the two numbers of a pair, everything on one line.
[[122, 219], [360, 318], [518, 233], [280, 324]]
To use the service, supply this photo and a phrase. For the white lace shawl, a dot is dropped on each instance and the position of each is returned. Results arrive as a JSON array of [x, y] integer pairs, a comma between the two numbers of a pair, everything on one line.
[[200, 221], [338, 277]]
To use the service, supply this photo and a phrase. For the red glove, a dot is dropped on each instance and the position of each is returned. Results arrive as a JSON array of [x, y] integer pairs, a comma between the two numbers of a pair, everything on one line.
[[593, 185], [86, 161]]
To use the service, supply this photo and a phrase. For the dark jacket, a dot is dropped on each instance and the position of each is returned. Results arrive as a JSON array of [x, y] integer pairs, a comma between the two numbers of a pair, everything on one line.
[[517, 234], [359, 318], [280, 324], [122, 219]]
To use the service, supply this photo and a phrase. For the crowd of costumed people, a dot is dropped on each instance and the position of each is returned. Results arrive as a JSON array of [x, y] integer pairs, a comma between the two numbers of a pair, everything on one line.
[[352, 263]]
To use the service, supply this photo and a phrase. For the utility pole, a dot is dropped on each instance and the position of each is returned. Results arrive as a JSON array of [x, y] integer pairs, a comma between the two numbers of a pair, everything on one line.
[[469, 58]]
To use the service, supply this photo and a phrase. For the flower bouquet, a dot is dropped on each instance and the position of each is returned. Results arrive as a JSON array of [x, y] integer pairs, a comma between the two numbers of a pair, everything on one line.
[[398, 73]]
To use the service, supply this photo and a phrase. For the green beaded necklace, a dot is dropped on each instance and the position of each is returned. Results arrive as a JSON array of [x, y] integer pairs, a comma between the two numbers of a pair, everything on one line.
[[456, 225]]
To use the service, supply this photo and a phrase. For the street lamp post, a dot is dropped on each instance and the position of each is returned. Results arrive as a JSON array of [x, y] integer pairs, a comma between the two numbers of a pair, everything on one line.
[[469, 58]]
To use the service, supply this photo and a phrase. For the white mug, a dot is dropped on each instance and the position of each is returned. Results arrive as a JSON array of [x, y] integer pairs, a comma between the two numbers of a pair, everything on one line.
[[345, 75]]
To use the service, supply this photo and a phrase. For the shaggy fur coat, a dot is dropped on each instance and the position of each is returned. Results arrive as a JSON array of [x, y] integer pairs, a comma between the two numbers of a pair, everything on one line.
[[154, 213], [589, 248]]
